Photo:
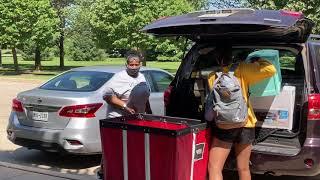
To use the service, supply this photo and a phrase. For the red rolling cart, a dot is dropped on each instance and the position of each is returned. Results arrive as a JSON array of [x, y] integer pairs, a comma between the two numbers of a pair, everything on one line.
[[148, 147]]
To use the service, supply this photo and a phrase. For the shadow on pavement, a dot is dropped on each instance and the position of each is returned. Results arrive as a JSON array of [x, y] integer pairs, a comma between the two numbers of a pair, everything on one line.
[[231, 175], [64, 163]]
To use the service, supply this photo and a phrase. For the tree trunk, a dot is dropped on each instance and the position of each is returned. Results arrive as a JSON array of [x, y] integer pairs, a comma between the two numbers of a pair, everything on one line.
[[61, 48], [142, 55], [15, 59], [61, 42], [144, 61], [37, 61], [0, 57]]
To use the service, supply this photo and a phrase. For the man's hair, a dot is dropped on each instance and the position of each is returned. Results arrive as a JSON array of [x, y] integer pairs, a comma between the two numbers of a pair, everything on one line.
[[131, 55]]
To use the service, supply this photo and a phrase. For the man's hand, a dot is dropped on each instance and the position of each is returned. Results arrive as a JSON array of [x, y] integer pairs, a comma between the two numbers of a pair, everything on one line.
[[148, 108], [129, 110]]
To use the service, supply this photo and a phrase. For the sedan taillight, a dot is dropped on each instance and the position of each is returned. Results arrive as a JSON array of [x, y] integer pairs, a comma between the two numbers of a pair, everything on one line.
[[166, 95], [17, 105], [82, 111]]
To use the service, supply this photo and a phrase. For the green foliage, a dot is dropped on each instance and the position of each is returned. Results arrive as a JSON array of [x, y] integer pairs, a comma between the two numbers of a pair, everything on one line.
[[199, 4], [169, 51], [117, 23], [22, 21], [222, 4], [84, 49], [80, 44], [28, 53]]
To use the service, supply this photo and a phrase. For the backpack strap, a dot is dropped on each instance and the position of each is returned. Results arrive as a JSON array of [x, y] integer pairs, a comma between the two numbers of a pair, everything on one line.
[[233, 67]]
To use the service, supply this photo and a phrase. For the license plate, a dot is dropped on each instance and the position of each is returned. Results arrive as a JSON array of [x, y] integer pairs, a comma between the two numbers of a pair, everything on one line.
[[40, 116]]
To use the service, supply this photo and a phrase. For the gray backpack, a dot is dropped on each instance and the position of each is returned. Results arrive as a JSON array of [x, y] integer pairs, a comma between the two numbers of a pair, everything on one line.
[[225, 104]]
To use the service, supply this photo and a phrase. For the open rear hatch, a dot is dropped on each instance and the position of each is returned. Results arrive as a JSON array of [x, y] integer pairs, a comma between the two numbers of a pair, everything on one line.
[[236, 24]]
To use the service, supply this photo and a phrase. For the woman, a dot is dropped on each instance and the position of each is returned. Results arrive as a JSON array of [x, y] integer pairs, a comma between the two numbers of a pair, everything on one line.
[[241, 138]]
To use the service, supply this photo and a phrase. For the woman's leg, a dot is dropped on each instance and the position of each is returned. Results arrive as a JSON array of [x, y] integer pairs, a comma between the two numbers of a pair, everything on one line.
[[243, 152], [218, 154]]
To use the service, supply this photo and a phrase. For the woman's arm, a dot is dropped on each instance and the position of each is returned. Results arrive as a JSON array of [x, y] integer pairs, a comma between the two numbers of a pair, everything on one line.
[[257, 70]]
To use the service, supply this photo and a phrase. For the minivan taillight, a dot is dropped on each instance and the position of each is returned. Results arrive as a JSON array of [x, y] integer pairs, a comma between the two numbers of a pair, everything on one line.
[[166, 95], [82, 111], [314, 107], [17, 105], [291, 13]]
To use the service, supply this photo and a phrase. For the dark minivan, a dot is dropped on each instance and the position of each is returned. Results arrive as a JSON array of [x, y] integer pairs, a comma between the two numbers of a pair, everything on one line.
[[294, 150]]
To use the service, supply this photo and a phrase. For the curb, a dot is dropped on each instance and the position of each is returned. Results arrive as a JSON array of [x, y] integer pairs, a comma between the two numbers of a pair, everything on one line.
[[47, 172]]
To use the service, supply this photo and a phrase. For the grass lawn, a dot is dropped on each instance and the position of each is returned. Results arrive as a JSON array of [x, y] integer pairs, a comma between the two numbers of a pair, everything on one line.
[[51, 68]]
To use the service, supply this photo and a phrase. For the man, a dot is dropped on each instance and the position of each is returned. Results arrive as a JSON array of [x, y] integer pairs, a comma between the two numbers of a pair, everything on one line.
[[127, 92]]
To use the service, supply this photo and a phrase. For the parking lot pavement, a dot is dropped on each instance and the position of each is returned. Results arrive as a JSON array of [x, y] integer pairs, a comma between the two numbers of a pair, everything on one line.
[[14, 174], [9, 89], [17, 172]]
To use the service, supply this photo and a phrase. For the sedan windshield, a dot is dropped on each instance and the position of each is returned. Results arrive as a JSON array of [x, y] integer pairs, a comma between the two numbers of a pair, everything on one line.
[[79, 81]]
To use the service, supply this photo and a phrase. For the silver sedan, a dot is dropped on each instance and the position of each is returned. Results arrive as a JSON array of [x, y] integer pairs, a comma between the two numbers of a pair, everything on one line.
[[62, 115]]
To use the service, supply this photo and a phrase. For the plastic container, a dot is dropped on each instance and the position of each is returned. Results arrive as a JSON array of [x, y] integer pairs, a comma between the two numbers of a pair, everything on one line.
[[147, 147], [275, 111], [270, 86]]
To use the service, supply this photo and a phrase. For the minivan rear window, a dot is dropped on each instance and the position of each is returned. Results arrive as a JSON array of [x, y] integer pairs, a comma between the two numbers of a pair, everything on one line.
[[78, 81]]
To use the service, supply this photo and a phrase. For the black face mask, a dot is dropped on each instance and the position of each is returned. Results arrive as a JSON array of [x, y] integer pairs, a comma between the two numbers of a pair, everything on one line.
[[133, 71]]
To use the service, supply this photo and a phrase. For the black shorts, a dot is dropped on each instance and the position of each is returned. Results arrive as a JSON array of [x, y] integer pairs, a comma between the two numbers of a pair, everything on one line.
[[237, 135]]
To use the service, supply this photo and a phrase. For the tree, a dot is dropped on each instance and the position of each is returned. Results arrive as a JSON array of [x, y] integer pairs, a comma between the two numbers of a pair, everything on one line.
[[44, 29], [12, 25], [61, 8], [117, 23], [221, 4], [80, 44], [24, 21], [0, 57], [199, 4]]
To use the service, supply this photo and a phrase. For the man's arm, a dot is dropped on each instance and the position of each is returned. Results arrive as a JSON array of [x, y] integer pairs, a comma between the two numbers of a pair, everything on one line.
[[115, 101]]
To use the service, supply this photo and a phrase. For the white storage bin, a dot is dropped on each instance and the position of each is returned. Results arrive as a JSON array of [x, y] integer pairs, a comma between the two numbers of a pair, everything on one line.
[[275, 111]]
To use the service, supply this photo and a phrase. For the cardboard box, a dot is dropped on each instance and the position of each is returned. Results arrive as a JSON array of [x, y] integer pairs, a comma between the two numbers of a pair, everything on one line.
[[275, 111]]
